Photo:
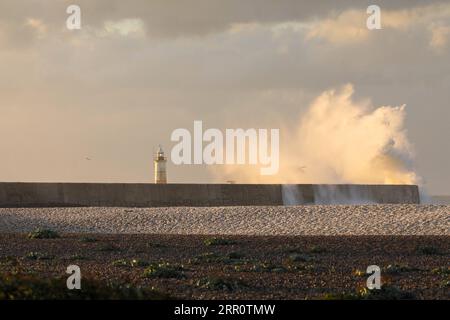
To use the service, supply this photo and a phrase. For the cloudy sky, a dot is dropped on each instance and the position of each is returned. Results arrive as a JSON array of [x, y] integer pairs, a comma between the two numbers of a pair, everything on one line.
[[137, 70]]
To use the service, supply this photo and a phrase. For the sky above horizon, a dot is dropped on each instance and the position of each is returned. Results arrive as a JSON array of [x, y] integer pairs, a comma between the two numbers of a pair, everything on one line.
[[92, 105]]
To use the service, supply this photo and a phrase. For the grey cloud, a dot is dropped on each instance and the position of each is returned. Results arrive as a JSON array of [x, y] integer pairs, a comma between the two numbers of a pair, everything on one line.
[[167, 18]]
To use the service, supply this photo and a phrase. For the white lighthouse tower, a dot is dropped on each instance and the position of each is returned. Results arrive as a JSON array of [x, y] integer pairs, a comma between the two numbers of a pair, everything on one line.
[[160, 166]]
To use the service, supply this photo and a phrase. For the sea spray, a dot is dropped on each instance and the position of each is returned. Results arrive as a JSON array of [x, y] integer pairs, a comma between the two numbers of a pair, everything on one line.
[[339, 141], [342, 194], [291, 195]]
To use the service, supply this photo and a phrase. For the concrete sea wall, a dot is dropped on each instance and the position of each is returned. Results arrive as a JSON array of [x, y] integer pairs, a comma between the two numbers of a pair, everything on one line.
[[162, 195]]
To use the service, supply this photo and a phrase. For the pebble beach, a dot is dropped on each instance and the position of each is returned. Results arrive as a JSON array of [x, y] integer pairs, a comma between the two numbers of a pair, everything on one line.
[[324, 220]]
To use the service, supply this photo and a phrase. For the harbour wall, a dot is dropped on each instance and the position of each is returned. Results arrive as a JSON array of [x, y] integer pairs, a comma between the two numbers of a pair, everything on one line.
[[166, 195]]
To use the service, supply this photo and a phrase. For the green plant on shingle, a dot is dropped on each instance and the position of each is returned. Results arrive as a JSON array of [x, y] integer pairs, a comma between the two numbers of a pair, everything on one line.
[[268, 267], [32, 287], [38, 256], [208, 257], [428, 250], [218, 242], [164, 270], [398, 268], [129, 263], [445, 272], [9, 261], [441, 270], [302, 267], [217, 283], [340, 296], [138, 263], [77, 257], [298, 257], [211, 257], [317, 250], [40, 233], [120, 263], [385, 293], [235, 255], [359, 273], [233, 258]]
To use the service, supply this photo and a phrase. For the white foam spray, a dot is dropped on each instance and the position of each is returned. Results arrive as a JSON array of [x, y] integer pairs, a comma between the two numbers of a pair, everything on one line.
[[291, 195], [339, 140]]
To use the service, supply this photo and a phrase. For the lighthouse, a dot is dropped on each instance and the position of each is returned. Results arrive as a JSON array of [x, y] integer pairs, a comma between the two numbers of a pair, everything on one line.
[[160, 166]]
